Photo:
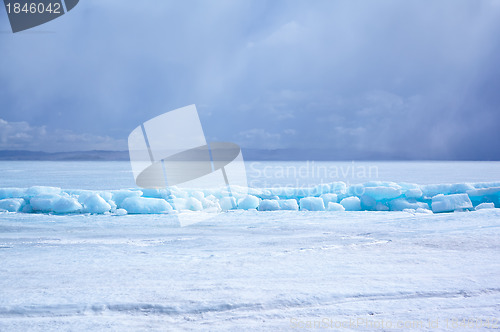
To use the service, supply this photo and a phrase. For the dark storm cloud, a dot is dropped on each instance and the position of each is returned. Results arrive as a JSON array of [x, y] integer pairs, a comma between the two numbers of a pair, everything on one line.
[[355, 79]]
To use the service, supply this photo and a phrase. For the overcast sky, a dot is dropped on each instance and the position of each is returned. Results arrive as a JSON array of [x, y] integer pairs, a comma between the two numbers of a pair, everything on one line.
[[356, 79]]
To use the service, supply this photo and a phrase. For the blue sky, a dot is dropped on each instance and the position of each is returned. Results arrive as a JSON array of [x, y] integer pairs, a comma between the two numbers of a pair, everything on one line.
[[354, 79]]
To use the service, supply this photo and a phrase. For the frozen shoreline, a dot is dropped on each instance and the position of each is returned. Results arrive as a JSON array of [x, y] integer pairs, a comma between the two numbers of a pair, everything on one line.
[[336, 196]]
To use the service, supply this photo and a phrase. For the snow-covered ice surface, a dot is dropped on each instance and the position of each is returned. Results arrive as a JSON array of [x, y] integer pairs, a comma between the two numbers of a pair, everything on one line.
[[249, 269], [97, 175]]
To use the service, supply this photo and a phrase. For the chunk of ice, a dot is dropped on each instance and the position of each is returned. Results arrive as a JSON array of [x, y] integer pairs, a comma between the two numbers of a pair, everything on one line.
[[12, 204], [288, 204], [12, 193], [335, 207], [485, 206], [370, 196], [449, 203], [227, 203], [327, 198], [145, 205], [193, 204], [312, 204], [381, 193], [120, 195], [351, 203], [96, 204], [249, 202], [269, 205], [39, 191], [66, 205], [120, 212], [55, 203], [400, 204], [44, 203]]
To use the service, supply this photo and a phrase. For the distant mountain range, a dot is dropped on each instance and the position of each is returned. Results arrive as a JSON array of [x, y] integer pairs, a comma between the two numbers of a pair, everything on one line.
[[96, 155], [248, 154], [62, 156]]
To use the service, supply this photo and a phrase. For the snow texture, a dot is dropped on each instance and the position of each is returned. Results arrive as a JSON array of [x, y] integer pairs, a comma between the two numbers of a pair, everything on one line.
[[248, 271]]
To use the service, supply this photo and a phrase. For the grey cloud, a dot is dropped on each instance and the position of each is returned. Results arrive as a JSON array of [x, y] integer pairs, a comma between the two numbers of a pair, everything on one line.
[[360, 79], [23, 136]]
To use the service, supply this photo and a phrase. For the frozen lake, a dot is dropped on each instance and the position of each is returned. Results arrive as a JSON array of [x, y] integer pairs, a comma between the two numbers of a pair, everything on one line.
[[250, 270], [95, 175]]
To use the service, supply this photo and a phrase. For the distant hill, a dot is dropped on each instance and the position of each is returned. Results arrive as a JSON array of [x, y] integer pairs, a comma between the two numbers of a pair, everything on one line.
[[248, 154], [62, 156], [96, 155]]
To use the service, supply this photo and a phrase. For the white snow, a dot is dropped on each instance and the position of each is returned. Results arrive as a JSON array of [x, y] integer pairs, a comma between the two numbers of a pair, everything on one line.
[[247, 270], [104, 269]]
